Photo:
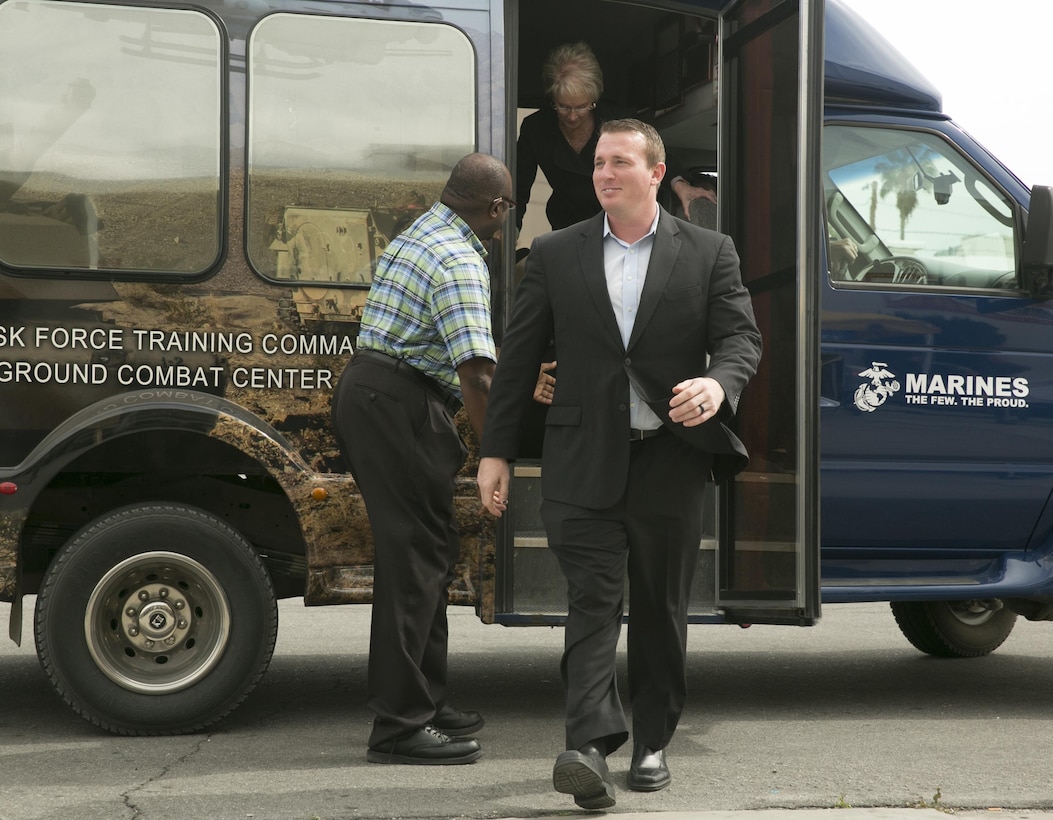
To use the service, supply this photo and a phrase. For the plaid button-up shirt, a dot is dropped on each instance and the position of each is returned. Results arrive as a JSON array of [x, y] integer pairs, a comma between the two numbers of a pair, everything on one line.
[[429, 303]]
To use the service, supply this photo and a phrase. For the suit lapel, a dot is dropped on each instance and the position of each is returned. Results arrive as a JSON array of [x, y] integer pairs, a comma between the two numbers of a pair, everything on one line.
[[663, 256], [590, 256]]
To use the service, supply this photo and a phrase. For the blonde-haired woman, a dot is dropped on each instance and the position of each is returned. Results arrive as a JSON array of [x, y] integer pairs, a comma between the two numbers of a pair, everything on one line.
[[561, 139]]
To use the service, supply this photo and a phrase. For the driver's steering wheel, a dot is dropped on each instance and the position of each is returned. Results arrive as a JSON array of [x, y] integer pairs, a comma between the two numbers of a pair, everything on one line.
[[895, 270]]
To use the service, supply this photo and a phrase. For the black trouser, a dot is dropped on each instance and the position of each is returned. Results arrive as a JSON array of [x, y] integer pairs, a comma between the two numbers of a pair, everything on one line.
[[404, 451], [653, 533]]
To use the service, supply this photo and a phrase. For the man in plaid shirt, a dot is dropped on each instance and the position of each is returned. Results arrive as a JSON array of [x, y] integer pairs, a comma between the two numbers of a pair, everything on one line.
[[425, 347]]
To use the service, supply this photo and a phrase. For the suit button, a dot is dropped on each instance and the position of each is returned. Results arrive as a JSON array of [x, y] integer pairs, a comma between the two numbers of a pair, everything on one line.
[[623, 407], [628, 361]]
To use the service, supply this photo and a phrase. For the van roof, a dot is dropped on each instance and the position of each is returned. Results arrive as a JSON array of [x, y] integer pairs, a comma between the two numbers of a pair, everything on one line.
[[863, 68]]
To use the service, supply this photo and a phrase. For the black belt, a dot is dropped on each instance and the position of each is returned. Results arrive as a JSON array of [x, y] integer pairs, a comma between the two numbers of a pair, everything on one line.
[[408, 371], [640, 435]]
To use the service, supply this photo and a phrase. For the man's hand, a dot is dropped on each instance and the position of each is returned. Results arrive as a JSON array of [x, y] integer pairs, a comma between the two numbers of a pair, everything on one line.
[[695, 401], [493, 485], [546, 384], [843, 252], [688, 193]]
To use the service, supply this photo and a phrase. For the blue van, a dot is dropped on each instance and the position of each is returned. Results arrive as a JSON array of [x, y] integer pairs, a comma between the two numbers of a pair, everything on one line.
[[192, 199]]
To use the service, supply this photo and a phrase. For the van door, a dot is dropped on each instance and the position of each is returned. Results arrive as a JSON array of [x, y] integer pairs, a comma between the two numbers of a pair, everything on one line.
[[771, 102], [759, 553], [935, 362]]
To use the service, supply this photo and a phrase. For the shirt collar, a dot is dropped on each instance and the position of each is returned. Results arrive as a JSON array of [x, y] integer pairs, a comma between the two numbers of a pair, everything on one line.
[[450, 217], [654, 227]]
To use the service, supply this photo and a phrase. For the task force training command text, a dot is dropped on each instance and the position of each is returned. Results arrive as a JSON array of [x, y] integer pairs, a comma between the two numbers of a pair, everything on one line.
[[165, 364]]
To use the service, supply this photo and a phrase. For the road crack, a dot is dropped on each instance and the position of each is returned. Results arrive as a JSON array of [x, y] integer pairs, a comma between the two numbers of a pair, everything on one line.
[[128, 797]]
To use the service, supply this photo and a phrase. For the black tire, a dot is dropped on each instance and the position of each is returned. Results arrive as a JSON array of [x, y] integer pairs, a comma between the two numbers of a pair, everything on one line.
[[953, 629], [157, 619]]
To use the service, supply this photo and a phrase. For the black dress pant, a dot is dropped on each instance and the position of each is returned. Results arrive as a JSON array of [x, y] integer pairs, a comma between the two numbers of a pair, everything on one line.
[[653, 535], [403, 448]]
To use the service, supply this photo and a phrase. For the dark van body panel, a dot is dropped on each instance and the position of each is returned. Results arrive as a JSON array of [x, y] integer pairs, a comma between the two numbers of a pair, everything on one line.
[[941, 500], [938, 491]]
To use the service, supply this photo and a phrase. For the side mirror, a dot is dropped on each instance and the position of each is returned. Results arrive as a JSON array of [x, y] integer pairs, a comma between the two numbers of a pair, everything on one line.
[[1036, 263]]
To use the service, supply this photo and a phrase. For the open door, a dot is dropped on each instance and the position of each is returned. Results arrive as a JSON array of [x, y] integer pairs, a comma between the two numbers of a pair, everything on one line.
[[751, 124], [771, 95]]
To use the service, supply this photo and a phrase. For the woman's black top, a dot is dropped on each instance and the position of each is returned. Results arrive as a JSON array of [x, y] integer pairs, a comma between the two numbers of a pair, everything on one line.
[[542, 144]]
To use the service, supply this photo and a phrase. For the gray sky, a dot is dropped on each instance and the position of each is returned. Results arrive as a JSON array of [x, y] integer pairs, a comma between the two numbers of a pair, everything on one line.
[[993, 70]]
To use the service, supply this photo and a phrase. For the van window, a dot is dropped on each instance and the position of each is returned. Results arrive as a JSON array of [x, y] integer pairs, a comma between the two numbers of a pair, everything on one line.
[[110, 138], [353, 127], [914, 212]]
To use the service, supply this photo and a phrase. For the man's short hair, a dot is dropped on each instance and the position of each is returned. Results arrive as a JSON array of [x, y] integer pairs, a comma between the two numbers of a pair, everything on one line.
[[654, 150], [475, 181]]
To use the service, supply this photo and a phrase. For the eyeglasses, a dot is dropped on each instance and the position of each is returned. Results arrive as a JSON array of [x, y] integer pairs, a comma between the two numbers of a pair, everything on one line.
[[573, 109], [511, 203]]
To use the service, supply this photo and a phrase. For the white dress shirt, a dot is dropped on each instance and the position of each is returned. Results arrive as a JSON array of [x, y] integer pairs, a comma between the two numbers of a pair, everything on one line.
[[626, 269]]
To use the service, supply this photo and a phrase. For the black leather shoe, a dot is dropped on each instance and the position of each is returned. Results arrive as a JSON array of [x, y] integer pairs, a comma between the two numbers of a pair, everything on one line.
[[583, 773], [456, 723], [648, 772], [426, 747]]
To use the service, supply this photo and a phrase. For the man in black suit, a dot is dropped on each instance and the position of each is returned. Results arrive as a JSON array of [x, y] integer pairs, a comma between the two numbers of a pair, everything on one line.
[[655, 340]]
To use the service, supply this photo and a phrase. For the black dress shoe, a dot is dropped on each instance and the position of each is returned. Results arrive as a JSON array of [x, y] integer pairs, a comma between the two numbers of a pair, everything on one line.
[[456, 723], [583, 773], [426, 747], [648, 771]]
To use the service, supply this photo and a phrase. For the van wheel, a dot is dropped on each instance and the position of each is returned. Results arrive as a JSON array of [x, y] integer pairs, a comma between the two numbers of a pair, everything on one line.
[[954, 629], [156, 620]]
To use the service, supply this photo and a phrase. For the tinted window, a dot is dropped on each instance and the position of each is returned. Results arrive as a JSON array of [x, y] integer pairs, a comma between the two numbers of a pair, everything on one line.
[[907, 208], [354, 126], [110, 135]]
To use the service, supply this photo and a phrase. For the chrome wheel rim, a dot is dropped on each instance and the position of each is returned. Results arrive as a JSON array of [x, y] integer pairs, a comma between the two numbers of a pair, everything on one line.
[[157, 623]]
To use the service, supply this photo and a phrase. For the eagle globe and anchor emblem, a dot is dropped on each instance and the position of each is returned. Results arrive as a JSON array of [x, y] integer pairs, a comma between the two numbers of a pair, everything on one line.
[[883, 384]]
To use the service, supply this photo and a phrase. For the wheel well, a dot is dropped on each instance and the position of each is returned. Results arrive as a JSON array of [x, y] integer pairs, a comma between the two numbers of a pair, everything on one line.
[[173, 466]]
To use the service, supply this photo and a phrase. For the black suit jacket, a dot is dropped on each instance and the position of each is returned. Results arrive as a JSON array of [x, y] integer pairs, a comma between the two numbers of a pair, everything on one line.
[[693, 305]]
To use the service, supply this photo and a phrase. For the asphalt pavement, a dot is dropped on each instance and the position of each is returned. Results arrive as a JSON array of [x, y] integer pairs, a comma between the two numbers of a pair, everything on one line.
[[825, 814], [782, 723]]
